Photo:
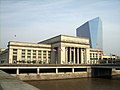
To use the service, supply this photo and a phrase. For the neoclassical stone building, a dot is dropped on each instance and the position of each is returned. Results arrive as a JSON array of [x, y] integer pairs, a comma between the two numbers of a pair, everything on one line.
[[61, 49], [68, 49]]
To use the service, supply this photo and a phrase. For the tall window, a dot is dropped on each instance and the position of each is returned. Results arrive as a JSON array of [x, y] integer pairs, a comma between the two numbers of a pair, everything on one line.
[[29, 55], [49, 56], [39, 55], [34, 54], [44, 55], [23, 54]]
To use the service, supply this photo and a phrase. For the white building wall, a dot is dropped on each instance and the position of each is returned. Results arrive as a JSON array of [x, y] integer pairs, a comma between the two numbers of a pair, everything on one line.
[[87, 56], [4, 56], [10, 50], [62, 53], [58, 46]]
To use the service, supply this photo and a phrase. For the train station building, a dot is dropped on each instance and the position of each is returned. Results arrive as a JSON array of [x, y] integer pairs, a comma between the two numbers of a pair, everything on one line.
[[61, 49]]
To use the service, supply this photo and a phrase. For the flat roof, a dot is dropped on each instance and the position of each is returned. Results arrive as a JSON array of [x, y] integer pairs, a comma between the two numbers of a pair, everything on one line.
[[67, 38], [24, 44]]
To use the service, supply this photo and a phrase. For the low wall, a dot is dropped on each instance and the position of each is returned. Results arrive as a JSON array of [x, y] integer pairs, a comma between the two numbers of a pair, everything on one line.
[[115, 72], [49, 76]]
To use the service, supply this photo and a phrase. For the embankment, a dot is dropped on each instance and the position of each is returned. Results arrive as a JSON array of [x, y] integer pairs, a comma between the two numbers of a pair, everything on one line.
[[51, 76]]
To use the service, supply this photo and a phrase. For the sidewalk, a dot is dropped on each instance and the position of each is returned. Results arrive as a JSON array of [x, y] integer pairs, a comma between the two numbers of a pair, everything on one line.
[[8, 82]]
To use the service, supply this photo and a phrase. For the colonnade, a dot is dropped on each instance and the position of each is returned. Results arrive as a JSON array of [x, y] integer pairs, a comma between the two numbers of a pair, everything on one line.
[[74, 55]]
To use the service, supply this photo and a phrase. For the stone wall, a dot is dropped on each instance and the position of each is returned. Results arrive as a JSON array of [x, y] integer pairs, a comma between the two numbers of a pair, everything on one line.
[[115, 72], [49, 76]]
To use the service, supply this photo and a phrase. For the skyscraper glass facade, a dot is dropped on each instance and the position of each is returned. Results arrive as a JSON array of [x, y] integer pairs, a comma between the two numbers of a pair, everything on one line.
[[92, 30]]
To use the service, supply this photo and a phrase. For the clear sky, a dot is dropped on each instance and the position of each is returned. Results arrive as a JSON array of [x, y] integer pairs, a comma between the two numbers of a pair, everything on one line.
[[36, 20]]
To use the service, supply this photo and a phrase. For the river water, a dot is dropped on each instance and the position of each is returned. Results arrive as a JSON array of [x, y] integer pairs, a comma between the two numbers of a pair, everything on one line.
[[78, 84]]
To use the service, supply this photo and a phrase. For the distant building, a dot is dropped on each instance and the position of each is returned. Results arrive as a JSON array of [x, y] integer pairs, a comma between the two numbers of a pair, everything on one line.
[[93, 31], [4, 55], [109, 57], [2, 49], [95, 55], [61, 49]]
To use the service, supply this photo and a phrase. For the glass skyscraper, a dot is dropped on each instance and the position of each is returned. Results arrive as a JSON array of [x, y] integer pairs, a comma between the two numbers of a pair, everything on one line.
[[93, 31]]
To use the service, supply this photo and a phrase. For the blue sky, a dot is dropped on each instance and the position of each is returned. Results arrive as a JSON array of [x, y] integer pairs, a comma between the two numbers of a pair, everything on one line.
[[36, 20]]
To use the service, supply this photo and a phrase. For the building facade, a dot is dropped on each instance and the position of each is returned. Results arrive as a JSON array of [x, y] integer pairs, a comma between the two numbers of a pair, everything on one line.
[[93, 31], [68, 49], [23, 52], [4, 55], [96, 55], [61, 49]]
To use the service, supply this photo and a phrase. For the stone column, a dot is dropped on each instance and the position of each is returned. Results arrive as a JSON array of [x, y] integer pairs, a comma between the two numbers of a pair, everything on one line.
[[56, 70], [77, 55], [81, 56], [66, 55], [10, 55], [18, 55], [74, 55], [61, 55], [72, 70], [87, 56], [84, 56], [70, 55], [38, 71], [17, 71], [36, 56]]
